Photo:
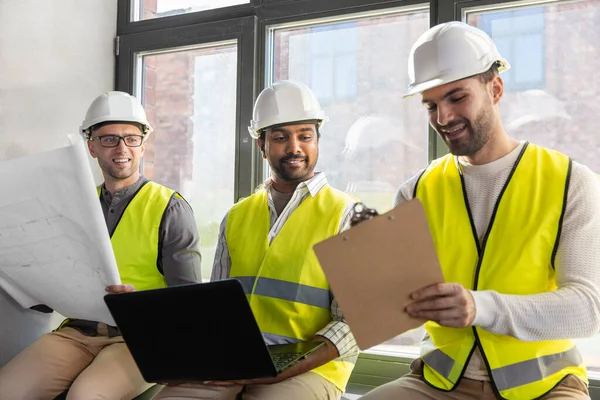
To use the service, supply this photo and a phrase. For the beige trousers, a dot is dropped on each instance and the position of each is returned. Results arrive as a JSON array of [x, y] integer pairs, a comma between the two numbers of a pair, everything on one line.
[[308, 386], [411, 386], [94, 367]]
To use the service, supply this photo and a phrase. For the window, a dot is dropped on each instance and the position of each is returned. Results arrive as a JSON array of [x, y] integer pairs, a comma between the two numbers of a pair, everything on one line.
[[149, 9], [370, 144], [520, 37], [331, 70], [561, 113], [332, 61], [190, 99]]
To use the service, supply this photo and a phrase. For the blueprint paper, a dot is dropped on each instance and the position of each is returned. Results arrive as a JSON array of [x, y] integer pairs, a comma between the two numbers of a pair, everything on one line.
[[54, 245]]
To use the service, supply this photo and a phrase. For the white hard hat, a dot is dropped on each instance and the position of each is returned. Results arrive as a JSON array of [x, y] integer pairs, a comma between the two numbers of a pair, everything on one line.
[[282, 103], [115, 107], [449, 52]]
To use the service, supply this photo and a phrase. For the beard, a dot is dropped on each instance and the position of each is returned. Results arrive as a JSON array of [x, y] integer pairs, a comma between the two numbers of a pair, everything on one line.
[[478, 134], [119, 173], [294, 173]]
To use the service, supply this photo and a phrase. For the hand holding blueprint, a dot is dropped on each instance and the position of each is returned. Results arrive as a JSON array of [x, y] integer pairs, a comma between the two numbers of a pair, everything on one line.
[[54, 244]]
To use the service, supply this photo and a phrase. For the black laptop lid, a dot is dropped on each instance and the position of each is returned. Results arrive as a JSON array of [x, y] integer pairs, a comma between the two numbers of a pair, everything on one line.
[[196, 332]]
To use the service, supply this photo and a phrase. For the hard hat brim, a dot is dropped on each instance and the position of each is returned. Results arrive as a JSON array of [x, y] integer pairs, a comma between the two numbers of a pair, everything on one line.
[[255, 133], [117, 120], [423, 86], [503, 65]]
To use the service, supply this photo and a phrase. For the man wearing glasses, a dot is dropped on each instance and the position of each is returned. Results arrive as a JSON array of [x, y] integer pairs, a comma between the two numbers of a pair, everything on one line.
[[156, 244]]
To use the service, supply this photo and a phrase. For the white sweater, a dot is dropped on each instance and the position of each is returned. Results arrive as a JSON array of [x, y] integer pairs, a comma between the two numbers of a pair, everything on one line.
[[571, 311]]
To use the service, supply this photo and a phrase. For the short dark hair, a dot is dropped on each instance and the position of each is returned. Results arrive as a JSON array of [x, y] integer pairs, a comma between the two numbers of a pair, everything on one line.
[[487, 76]]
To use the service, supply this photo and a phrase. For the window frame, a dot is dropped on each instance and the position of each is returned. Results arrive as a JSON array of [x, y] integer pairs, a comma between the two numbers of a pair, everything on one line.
[[249, 24], [243, 31]]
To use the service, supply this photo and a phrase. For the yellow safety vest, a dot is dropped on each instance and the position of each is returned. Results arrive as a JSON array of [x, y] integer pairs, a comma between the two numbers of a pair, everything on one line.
[[286, 287], [516, 257], [135, 238]]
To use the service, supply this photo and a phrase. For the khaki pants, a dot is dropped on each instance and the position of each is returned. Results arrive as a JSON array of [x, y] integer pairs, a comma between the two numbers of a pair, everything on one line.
[[411, 386], [308, 386], [94, 367]]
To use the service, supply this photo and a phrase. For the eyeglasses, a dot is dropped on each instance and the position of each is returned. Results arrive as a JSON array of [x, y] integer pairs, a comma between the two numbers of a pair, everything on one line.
[[114, 140]]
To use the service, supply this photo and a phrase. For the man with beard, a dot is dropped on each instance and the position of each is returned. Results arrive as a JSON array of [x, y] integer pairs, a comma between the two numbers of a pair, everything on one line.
[[266, 242], [517, 232], [156, 243]]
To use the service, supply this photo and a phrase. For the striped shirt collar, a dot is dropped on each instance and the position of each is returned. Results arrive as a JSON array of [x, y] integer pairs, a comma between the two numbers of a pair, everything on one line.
[[313, 185]]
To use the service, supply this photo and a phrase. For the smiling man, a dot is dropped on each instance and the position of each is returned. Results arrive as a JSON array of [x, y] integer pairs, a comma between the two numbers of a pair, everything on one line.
[[156, 243], [517, 231], [266, 242]]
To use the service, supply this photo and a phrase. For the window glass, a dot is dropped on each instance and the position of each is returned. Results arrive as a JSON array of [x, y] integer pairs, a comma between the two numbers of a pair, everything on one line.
[[149, 9], [374, 139], [519, 36], [190, 99]]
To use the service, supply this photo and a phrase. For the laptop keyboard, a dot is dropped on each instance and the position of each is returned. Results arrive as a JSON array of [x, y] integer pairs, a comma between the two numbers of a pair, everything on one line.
[[281, 360]]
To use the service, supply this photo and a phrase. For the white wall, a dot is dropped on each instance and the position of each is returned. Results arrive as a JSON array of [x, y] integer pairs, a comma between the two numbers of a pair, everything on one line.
[[56, 56]]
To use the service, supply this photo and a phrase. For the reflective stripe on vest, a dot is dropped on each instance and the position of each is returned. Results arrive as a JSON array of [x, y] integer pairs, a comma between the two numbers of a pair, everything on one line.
[[135, 238], [285, 290], [510, 376], [286, 287], [443, 364], [536, 190]]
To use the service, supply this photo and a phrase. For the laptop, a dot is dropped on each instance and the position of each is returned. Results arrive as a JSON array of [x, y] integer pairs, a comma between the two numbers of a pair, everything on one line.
[[199, 332]]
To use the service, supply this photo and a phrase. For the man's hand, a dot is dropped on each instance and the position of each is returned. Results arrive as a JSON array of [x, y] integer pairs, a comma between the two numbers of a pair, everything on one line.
[[115, 289], [448, 304]]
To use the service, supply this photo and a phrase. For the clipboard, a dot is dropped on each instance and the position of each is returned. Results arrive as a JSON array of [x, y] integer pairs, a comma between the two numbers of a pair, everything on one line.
[[373, 267]]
